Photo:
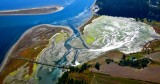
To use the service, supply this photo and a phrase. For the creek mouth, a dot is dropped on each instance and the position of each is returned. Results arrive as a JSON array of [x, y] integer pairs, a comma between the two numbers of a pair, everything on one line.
[[72, 55], [63, 60], [65, 17]]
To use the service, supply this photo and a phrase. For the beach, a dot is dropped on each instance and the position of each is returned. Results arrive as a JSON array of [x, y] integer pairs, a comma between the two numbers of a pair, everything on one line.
[[33, 11]]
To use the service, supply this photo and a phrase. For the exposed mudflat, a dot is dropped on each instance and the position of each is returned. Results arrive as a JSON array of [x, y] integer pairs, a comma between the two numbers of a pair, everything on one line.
[[30, 44], [125, 34]]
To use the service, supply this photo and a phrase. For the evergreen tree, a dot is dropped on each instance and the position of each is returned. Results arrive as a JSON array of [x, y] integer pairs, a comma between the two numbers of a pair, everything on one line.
[[97, 66]]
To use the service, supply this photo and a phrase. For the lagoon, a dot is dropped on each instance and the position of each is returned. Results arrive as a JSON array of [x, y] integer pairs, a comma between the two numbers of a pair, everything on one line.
[[75, 13]]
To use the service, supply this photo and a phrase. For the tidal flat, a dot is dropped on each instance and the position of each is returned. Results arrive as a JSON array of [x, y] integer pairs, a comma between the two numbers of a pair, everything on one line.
[[29, 46]]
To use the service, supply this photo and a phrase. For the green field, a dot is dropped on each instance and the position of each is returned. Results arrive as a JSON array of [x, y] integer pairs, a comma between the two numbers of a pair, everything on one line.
[[106, 79]]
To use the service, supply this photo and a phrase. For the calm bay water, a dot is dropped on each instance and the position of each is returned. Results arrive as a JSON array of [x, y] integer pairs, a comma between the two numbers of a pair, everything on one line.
[[75, 12]]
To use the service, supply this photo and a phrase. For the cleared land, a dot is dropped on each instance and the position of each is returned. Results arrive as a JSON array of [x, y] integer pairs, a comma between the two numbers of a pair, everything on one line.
[[103, 79], [150, 73], [90, 77]]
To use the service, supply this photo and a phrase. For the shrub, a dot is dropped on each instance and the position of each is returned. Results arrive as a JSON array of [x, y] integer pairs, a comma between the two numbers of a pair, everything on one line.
[[108, 61], [97, 66]]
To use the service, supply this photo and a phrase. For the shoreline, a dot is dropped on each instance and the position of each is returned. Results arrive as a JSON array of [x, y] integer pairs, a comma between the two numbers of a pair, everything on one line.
[[6, 57], [92, 16], [88, 22], [32, 11]]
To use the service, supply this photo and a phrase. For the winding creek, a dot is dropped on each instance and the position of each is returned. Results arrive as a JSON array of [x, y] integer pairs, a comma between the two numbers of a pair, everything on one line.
[[103, 34], [12, 27], [74, 15]]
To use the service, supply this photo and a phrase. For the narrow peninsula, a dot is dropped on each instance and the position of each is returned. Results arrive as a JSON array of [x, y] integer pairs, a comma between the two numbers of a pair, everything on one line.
[[32, 11]]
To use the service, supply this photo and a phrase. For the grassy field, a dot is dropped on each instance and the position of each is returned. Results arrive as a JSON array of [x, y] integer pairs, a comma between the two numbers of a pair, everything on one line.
[[89, 77], [150, 73], [106, 79], [136, 55]]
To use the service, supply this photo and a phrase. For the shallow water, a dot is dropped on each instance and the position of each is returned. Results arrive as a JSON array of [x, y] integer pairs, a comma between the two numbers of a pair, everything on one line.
[[75, 13]]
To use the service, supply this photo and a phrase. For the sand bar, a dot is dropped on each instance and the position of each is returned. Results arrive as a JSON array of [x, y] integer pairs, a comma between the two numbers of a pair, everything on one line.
[[33, 11]]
